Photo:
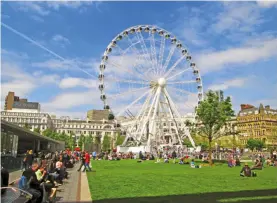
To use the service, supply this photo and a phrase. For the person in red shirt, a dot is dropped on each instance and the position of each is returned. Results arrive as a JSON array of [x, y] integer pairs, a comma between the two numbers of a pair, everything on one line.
[[87, 162]]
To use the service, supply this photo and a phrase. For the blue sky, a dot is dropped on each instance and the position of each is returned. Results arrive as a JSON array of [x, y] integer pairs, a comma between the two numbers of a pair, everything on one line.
[[233, 44]]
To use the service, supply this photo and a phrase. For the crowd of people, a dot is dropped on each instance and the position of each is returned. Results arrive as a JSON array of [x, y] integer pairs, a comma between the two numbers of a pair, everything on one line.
[[43, 171]]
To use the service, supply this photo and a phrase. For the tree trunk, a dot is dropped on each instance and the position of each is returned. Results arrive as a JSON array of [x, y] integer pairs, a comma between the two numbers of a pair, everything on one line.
[[210, 153]]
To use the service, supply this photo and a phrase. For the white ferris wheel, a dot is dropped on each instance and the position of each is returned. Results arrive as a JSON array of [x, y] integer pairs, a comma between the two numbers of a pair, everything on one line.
[[147, 75]]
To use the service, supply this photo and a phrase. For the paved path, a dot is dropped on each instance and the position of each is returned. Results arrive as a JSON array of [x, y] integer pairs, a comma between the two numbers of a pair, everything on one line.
[[75, 189], [15, 175]]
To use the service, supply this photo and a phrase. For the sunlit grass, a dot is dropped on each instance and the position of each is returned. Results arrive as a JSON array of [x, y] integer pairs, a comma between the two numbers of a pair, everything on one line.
[[127, 178]]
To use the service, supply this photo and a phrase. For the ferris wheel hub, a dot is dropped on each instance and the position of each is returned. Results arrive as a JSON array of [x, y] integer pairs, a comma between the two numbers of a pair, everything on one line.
[[162, 82]]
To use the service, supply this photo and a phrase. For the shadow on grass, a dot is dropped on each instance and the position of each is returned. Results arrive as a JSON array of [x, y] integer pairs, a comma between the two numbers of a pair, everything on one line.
[[255, 196]]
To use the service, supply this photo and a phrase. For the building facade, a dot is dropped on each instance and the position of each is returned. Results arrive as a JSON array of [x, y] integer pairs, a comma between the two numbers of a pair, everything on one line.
[[32, 120], [14, 103], [257, 123], [97, 129]]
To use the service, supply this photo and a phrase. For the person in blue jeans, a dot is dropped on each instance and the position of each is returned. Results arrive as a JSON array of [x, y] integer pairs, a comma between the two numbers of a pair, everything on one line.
[[87, 162]]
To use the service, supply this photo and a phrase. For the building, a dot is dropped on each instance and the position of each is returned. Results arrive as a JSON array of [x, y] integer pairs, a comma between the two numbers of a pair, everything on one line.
[[257, 123], [96, 115], [14, 103], [32, 120], [16, 141], [27, 114]]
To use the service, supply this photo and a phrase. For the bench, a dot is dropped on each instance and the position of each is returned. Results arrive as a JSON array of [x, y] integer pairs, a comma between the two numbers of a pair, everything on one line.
[[47, 197]]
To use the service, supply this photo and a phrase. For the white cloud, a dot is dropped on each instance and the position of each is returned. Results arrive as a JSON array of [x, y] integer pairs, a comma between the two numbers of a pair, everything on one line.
[[45, 8], [75, 82], [23, 83], [238, 17], [72, 99], [15, 78], [69, 4], [237, 82], [190, 26], [5, 16], [242, 55], [37, 18], [61, 39], [54, 64], [34, 7], [267, 4]]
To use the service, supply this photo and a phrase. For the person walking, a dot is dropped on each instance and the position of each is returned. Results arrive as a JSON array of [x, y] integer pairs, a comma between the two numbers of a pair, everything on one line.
[[82, 157], [87, 162]]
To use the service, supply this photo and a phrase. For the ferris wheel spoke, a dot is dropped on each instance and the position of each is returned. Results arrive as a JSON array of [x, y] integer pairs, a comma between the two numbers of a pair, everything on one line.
[[153, 51], [135, 50], [160, 63], [134, 102], [182, 82], [127, 81], [174, 66], [179, 73], [143, 47], [168, 58], [126, 70], [127, 92]]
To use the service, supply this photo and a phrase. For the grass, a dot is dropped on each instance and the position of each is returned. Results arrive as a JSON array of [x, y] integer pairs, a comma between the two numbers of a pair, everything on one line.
[[129, 179]]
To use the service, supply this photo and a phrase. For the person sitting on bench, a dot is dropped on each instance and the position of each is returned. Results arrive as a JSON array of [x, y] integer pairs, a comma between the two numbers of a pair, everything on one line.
[[34, 187]]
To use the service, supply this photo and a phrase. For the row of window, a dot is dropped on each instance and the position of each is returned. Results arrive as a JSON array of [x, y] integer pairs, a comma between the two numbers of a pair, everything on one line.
[[24, 120], [4, 113], [82, 132]]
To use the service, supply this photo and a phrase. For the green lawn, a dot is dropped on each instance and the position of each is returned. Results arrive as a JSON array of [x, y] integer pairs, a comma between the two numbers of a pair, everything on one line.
[[129, 179]]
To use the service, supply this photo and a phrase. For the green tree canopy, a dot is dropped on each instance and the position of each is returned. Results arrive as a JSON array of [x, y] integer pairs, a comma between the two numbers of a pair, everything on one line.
[[37, 130], [255, 144], [119, 140], [213, 115], [106, 144]]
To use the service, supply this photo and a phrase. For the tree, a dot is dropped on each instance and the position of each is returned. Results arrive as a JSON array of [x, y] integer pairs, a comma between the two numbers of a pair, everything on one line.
[[89, 139], [119, 140], [213, 115], [255, 144], [260, 145], [47, 133], [187, 142], [106, 144], [81, 140], [37, 130], [27, 126]]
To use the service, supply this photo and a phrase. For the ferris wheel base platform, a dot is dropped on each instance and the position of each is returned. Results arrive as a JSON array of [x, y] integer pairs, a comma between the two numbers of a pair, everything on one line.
[[133, 149]]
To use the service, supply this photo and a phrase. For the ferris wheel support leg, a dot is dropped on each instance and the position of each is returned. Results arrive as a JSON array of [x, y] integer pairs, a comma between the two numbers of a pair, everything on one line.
[[148, 115], [182, 124], [172, 116], [154, 115]]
